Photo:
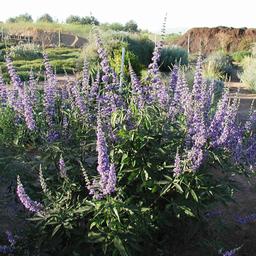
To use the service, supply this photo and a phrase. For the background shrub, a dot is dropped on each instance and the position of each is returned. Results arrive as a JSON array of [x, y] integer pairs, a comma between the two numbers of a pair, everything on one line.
[[21, 18], [28, 51], [218, 65], [248, 76], [172, 55], [45, 18], [240, 55], [138, 49], [73, 19]]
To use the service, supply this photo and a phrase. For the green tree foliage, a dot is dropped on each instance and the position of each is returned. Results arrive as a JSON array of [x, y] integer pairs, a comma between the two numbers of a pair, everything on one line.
[[46, 18], [116, 26], [21, 18], [73, 19], [131, 26]]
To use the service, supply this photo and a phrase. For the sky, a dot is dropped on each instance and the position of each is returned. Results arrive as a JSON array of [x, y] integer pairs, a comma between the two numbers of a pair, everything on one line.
[[149, 14]]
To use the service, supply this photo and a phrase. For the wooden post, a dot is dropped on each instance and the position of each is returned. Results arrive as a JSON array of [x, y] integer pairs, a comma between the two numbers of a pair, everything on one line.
[[122, 69], [2, 33], [59, 38], [188, 43]]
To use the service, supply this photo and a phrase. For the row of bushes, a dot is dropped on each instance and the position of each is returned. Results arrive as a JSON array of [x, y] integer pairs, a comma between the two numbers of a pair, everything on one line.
[[139, 50], [218, 65], [30, 57]]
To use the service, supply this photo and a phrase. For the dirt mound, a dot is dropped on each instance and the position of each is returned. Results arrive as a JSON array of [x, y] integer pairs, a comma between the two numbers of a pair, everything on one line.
[[212, 39], [49, 38]]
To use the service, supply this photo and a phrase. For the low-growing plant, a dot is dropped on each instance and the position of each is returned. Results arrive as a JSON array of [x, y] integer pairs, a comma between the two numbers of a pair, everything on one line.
[[28, 51]]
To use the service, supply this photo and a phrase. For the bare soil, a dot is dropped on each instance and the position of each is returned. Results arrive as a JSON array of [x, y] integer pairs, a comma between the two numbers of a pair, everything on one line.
[[211, 39]]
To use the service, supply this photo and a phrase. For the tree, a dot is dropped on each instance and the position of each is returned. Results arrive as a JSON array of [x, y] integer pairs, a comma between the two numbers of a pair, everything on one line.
[[73, 19], [131, 26], [21, 18], [94, 21], [11, 20], [45, 18], [116, 26], [89, 20]]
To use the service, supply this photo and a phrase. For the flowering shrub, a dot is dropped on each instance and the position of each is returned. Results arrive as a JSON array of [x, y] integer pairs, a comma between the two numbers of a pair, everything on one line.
[[133, 164]]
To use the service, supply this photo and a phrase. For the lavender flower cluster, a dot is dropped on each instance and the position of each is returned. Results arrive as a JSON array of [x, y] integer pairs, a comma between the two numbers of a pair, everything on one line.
[[8, 249], [105, 169], [29, 204], [246, 219]]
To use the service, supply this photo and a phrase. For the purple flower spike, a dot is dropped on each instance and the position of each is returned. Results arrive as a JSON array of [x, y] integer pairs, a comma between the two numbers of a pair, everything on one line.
[[229, 253], [198, 80], [10, 238], [3, 92], [177, 167], [94, 88], [79, 101], [4, 249], [49, 102], [174, 78], [104, 59], [111, 185], [28, 111], [16, 81], [103, 160], [51, 78], [32, 88], [29, 204], [62, 167], [105, 170], [85, 78], [16, 93], [137, 89]]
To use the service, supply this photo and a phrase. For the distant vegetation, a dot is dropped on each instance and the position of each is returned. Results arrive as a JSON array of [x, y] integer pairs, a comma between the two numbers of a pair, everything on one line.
[[46, 18], [72, 19], [28, 57], [21, 18]]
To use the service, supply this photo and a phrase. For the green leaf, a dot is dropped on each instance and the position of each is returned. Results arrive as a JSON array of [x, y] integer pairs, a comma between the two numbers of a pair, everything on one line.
[[116, 213], [124, 157], [119, 246], [178, 187], [165, 189], [56, 229], [194, 195], [187, 211]]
